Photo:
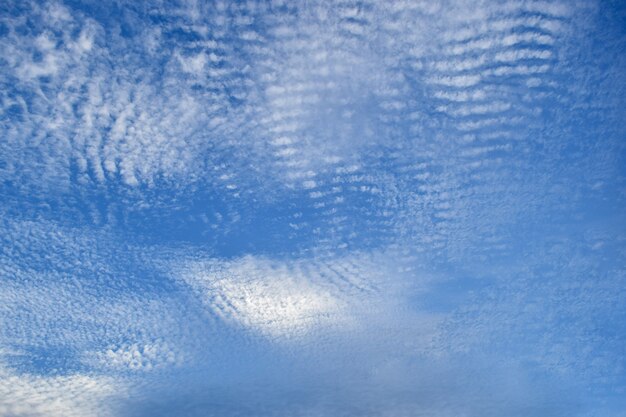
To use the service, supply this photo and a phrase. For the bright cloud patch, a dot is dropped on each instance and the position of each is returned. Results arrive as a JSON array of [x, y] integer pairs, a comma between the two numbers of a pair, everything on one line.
[[139, 357], [278, 300], [60, 396]]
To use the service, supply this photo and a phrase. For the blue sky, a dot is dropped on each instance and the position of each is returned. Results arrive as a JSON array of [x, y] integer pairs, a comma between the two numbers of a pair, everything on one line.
[[312, 208]]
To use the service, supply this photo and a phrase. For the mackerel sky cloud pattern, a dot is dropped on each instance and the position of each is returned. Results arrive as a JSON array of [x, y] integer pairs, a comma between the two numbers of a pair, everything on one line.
[[312, 208]]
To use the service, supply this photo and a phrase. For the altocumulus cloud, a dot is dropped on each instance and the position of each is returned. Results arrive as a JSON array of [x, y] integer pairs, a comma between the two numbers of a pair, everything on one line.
[[321, 208]]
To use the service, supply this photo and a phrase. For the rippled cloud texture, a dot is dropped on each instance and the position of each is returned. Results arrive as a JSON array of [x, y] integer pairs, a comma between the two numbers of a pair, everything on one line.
[[312, 208]]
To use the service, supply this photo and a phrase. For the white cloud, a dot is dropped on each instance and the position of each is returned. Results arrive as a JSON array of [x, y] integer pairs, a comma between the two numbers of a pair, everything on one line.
[[24, 395], [193, 64], [296, 299], [273, 299], [402, 124], [137, 357]]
